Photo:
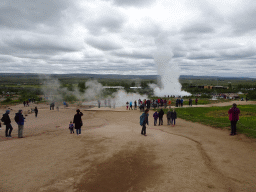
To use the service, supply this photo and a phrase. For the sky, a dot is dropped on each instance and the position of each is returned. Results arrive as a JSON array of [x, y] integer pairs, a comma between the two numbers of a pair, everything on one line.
[[204, 37]]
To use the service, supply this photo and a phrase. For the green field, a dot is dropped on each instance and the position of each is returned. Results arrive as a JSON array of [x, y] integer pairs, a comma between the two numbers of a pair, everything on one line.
[[218, 117]]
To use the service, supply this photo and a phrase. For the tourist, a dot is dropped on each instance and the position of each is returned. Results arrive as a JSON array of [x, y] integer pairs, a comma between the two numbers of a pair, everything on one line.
[[181, 102], [148, 103], [24, 103], [20, 121], [233, 117], [7, 122], [78, 121], [71, 127], [52, 106], [135, 104], [143, 122], [169, 103], [168, 117], [196, 100], [177, 102], [155, 115], [190, 102], [127, 105], [130, 105], [161, 114], [173, 116], [98, 103], [36, 111]]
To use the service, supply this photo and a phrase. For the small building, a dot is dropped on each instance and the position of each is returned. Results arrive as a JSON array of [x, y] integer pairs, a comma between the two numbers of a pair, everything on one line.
[[113, 87], [207, 87], [135, 87]]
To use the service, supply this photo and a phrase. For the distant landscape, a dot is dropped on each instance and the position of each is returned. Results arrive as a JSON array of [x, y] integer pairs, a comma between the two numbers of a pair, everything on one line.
[[26, 85]]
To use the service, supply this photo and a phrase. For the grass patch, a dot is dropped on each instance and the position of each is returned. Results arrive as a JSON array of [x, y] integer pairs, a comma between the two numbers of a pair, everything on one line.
[[218, 117]]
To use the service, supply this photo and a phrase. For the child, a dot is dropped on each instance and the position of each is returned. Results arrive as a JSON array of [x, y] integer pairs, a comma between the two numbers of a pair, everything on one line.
[[155, 115], [71, 127]]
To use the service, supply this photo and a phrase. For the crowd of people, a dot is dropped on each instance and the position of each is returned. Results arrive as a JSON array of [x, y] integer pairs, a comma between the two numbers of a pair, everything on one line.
[[171, 117], [156, 103]]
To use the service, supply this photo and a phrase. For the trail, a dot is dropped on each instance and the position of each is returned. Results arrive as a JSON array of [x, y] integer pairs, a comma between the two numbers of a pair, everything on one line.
[[112, 155]]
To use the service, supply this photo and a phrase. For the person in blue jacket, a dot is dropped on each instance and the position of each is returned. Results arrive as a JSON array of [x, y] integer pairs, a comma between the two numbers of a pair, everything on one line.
[[20, 122]]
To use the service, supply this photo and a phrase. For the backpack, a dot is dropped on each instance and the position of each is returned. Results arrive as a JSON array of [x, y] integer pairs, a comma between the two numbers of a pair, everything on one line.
[[16, 118], [142, 118], [3, 119]]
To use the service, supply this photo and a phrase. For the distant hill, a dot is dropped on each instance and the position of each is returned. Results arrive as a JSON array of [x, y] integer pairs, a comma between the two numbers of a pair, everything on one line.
[[115, 76]]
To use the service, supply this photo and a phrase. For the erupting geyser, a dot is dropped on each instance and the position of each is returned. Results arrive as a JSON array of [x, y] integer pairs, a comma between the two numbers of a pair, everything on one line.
[[169, 72]]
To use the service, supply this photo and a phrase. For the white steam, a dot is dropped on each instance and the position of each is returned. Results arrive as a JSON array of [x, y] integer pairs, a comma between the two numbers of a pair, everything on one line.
[[93, 91], [168, 71], [121, 97]]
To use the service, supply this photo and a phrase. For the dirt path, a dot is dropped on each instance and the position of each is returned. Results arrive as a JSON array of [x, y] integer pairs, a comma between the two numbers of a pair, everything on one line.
[[112, 155]]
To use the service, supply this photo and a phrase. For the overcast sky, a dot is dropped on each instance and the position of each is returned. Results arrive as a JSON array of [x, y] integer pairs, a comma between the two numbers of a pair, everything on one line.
[[206, 37]]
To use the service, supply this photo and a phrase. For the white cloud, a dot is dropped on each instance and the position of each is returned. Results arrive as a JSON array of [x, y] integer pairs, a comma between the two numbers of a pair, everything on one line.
[[117, 36]]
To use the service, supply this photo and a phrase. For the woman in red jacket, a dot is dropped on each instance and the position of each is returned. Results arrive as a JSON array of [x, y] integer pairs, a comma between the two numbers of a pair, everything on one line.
[[233, 117]]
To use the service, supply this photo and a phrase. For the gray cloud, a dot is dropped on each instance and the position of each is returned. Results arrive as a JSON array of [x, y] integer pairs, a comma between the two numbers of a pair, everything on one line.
[[133, 54], [23, 14], [198, 28], [103, 44], [202, 55], [120, 36], [134, 3], [244, 23]]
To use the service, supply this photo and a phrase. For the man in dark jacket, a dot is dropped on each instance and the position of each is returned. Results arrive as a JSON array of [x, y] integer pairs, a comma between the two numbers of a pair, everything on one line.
[[78, 121], [233, 117], [20, 123], [145, 121], [173, 116], [161, 114], [7, 121], [36, 111]]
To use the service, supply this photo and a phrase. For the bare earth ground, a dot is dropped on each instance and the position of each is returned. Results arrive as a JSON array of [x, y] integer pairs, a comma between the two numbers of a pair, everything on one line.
[[112, 155]]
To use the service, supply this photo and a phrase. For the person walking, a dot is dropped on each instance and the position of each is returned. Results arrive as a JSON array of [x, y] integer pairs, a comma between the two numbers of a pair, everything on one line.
[[127, 105], [143, 122], [177, 102], [130, 105], [20, 121], [155, 115], [24, 103], [161, 114], [233, 117], [7, 122], [135, 105], [196, 100], [169, 102], [190, 102], [36, 111], [181, 102], [78, 121], [71, 127], [168, 117], [173, 116]]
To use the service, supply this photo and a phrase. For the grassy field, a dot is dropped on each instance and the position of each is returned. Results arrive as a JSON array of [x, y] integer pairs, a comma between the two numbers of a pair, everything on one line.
[[218, 117], [201, 101]]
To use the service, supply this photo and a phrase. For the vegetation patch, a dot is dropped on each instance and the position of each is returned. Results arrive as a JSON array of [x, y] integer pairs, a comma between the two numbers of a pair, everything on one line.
[[218, 117], [224, 113]]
